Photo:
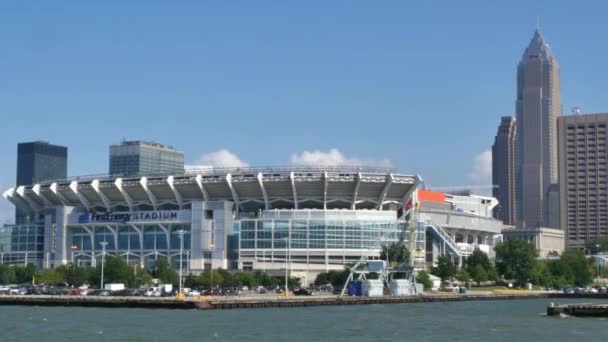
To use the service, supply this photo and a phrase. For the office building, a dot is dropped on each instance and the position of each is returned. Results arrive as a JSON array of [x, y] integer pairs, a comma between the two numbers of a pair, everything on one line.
[[132, 158], [549, 242], [503, 170], [37, 162], [583, 177], [40, 161], [538, 105]]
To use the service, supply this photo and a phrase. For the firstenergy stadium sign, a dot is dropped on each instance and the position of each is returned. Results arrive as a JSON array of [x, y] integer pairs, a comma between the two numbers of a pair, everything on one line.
[[135, 216]]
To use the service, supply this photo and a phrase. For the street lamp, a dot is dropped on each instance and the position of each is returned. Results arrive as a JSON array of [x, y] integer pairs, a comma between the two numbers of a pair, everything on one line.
[[181, 249], [211, 270], [188, 261], [287, 246], [103, 259], [74, 248], [597, 252]]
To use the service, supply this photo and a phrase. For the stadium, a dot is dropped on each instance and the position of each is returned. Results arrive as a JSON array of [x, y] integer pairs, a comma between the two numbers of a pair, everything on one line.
[[308, 219]]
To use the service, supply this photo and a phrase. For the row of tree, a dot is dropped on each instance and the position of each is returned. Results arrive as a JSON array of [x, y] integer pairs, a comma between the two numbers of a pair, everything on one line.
[[116, 270], [227, 279], [517, 260]]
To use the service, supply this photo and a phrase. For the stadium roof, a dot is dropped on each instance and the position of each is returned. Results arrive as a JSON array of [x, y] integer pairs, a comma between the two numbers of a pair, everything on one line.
[[252, 188]]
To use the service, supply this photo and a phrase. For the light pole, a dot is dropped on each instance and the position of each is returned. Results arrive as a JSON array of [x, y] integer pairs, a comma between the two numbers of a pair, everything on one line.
[[188, 262], [74, 248], [211, 269], [597, 252], [103, 259], [181, 252], [287, 246]]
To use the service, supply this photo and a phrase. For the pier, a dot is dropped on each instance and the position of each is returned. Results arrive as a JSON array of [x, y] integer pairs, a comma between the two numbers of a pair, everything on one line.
[[579, 310]]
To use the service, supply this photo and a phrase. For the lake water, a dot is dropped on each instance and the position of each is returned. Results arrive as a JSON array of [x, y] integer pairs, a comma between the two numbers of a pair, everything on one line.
[[514, 320]]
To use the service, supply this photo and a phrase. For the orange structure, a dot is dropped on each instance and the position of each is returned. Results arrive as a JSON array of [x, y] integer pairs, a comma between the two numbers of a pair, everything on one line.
[[431, 196]]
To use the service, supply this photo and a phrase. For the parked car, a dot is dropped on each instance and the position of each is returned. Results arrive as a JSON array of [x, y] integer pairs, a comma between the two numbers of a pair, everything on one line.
[[302, 292]]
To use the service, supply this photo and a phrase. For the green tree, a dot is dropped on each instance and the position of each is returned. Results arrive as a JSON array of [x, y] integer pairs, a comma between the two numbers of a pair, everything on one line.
[[333, 277], [424, 279], [245, 279], [478, 261], [205, 279], [7, 274], [116, 270], [398, 253], [266, 280], [479, 274], [541, 275], [445, 268], [142, 277], [164, 272], [463, 275], [25, 274], [572, 268], [51, 277], [515, 260], [592, 245]]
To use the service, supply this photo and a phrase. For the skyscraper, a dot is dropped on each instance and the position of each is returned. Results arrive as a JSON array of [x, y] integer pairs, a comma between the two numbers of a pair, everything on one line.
[[538, 106], [503, 170], [583, 142], [37, 162], [41, 161], [132, 158]]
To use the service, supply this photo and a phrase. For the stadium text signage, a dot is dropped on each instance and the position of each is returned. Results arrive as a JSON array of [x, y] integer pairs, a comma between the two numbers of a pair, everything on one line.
[[135, 216]]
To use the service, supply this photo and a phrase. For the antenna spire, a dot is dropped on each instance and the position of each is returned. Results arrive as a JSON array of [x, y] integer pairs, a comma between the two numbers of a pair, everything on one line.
[[537, 23]]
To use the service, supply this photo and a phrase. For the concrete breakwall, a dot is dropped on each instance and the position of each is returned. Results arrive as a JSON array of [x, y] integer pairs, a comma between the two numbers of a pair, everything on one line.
[[265, 301]]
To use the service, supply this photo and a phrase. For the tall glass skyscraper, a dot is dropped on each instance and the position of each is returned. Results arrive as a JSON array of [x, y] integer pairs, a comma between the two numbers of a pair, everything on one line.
[[503, 170], [538, 106], [133, 158], [39, 161]]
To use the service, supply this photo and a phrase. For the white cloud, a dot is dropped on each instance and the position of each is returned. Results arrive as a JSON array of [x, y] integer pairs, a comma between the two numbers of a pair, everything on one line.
[[219, 158], [481, 171], [333, 157]]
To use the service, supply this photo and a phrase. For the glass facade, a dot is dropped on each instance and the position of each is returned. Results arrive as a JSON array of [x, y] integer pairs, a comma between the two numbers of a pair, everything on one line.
[[40, 161], [37, 162], [317, 241], [140, 158], [22, 244], [136, 244]]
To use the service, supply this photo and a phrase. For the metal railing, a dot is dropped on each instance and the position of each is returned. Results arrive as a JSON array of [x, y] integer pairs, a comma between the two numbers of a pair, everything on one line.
[[460, 250], [218, 171]]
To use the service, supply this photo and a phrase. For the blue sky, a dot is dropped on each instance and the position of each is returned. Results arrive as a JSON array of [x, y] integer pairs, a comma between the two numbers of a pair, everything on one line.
[[418, 84]]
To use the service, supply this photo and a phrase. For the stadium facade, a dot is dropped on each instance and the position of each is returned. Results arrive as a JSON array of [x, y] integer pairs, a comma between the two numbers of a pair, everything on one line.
[[312, 219]]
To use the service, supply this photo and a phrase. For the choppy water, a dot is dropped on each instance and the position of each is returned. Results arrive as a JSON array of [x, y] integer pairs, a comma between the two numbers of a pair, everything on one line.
[[516, 320]]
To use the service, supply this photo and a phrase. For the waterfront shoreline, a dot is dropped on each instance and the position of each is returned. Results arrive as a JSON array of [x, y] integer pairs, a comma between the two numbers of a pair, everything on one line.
[[222, 303]]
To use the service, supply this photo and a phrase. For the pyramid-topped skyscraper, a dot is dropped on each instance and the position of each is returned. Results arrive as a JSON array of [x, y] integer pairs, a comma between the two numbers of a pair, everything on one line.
[[538, 106]]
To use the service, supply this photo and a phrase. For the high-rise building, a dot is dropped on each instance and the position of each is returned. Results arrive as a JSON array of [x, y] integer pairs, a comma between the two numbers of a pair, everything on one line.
[[538, 106], [132, 158], [503, 170], [37, 162], [583, 177], [41, 161]]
